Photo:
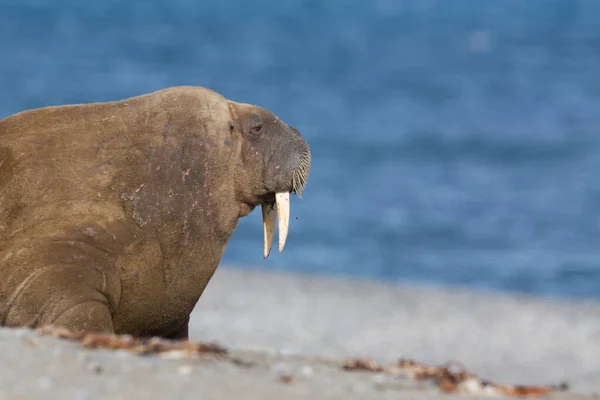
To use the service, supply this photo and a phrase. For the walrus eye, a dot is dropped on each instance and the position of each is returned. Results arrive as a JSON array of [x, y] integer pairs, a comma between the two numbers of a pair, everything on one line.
[[255, 124]]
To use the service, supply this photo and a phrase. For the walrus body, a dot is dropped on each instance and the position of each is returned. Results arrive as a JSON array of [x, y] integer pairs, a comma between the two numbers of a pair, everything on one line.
[[114, 216]]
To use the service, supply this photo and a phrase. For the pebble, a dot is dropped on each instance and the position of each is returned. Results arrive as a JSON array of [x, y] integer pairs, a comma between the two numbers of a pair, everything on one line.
[[307, 371], [283, 372], [184, 370], [95, 367], [380, 379]]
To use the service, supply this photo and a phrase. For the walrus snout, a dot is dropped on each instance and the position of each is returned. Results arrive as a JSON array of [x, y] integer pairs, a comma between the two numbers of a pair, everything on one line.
[[292, 178], [288, 162]]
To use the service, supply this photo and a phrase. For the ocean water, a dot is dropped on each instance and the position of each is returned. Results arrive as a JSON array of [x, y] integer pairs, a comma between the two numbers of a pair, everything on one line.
[[453, 142]]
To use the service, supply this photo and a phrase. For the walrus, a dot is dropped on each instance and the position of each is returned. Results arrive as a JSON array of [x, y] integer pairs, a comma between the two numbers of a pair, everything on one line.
[[115, 215]]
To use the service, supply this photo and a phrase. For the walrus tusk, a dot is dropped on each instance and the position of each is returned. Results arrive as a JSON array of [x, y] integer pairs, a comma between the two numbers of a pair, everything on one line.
[[282, 209], [283, 216], [268, 214]]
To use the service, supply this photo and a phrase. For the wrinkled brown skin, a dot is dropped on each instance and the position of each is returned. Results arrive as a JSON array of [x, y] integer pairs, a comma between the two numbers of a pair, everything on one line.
[[114, 216]]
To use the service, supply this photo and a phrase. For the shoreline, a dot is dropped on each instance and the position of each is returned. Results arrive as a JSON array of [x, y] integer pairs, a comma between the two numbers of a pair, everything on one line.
[[509, 338], [413, 282], [421, 284]]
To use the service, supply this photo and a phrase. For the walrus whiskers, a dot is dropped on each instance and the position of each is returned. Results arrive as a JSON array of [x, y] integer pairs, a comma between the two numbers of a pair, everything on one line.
[[300, 176]]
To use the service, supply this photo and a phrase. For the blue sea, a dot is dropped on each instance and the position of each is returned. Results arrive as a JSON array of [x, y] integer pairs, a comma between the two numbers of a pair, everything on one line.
[[453, 142]]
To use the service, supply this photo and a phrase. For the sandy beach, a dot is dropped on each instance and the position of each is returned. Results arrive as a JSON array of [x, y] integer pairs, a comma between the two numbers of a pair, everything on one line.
[[287, 335]]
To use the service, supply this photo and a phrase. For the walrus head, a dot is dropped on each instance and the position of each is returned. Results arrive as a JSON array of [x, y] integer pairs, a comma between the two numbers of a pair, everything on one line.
[[274, 161]]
